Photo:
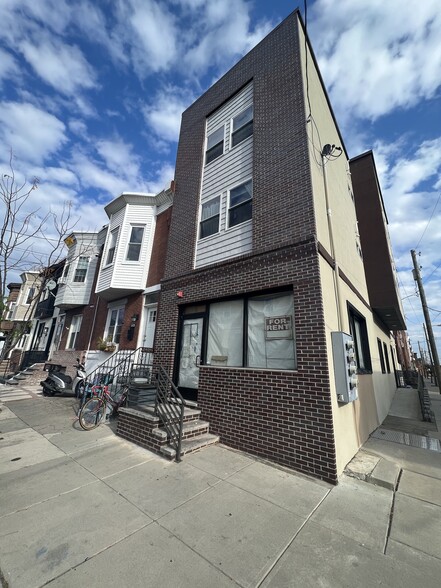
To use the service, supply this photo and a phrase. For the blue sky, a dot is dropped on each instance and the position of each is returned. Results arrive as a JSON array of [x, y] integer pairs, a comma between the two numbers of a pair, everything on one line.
[[91, 95]]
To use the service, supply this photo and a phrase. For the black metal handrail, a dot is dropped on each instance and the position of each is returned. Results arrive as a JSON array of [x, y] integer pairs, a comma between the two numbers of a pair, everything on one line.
[[425, 404], [170, 406], [117, 370]]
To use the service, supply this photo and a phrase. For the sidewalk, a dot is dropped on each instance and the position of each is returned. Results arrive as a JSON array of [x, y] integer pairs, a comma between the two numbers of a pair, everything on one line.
[[90, 509]]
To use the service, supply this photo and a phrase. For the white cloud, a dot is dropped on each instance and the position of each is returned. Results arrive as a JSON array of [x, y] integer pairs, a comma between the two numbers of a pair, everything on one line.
[[119, 157], [150, 30], [8, 65], [31, 133], [62, 66], [377, 56], [163, 116]]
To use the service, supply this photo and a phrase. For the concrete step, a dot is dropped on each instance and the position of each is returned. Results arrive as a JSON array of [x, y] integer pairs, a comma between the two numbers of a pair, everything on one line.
[[189, 430], [191, 445]]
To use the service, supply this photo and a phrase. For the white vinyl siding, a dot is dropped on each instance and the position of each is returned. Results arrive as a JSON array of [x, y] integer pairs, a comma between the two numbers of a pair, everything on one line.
[[219, 176], [106, 272]]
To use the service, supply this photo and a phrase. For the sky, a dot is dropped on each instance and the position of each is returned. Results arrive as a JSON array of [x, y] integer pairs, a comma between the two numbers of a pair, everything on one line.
[[91, 95]]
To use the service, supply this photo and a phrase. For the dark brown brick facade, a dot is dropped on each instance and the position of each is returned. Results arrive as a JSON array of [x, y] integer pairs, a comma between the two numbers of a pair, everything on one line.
[[284, 416]]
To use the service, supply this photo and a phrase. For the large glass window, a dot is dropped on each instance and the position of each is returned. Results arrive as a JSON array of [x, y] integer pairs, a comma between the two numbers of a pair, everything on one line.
[[81, 270], [112, 246], [210, 218], [256, 332], [115, 322], [242, 126], [215, 145], [357, 325], [241, 199], [134, 249]]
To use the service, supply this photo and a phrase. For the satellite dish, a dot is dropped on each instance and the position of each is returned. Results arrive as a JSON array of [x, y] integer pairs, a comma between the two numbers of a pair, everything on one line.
[[51, 284]]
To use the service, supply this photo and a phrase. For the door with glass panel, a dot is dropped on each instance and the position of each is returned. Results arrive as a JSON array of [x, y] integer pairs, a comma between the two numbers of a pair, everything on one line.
[[190, 349]]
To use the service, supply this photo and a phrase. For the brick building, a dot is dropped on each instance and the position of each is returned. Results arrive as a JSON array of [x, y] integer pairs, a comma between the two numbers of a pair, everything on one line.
[[258, 274]]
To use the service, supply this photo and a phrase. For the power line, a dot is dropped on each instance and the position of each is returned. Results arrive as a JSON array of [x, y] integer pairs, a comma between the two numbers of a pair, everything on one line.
[[428, 223], [430, 275]]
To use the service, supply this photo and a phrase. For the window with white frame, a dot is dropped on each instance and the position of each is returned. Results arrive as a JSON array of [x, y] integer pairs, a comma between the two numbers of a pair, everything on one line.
[[215, 145], [254, 331], [30, 296], [240, 204], [242, 126], [74, 330], [66, 271], [135, 242], [112, 246], [209, 218], [115, 321], [81, 269]]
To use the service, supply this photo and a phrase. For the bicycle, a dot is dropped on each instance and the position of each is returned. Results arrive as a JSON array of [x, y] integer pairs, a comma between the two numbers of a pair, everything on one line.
[[93, 412]]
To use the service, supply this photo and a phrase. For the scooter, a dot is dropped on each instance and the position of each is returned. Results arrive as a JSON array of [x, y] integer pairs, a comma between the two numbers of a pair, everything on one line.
[[58, 382]]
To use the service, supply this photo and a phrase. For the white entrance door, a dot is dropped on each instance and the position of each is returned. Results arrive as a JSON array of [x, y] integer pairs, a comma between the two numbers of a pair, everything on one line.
[[150, 325]]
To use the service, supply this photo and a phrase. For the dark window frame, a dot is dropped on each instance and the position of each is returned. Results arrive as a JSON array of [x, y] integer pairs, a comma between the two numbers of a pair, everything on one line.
[[245, 298], [381, 355], [386, 358], [362, 343]]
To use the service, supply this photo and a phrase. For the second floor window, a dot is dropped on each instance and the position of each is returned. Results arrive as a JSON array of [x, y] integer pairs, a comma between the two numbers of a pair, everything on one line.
[[241, 199], [134, 249], [81, 271], [112, 246], [210, 218], [30, 296], [215, 145]]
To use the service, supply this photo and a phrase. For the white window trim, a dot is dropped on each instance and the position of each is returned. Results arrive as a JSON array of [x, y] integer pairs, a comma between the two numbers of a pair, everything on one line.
[[135, 225], [70, 331], [200, 217], [207, 134], [227, 220], [231, 147], [110, 309], [76, 268], [109, 241]]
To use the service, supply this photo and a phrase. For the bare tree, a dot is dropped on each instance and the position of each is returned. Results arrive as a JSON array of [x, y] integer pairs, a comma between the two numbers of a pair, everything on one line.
[[20, 229]]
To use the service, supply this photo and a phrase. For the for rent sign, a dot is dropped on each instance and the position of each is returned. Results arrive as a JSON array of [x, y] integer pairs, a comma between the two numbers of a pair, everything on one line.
[[278, 327]]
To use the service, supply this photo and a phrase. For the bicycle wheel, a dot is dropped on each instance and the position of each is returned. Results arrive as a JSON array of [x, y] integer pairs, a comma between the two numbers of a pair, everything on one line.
[[92, 413]]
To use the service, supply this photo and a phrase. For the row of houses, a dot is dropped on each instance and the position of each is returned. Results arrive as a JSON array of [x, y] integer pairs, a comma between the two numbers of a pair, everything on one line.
[[263, 278]]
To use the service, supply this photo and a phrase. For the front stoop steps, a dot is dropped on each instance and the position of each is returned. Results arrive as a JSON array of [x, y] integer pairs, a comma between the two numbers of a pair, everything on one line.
[[141, 426], [14, 380]]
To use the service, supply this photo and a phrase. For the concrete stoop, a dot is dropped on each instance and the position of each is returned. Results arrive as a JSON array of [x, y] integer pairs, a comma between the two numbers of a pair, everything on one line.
[[374, 470], [27, 375], [141, 426]]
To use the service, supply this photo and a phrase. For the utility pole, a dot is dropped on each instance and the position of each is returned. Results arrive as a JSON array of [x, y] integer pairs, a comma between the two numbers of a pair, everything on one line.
[[417, 278], [432, 374]]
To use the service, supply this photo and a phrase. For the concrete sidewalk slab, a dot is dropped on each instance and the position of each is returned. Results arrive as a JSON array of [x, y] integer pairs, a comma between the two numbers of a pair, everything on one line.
[[417, 524], [358, 511], [234, 530], [427, 565], [415, 459], [294, 492], [322, 557], [40, 482], [150, 558], [111, 457], [50, 538], [9, 425], [385, 474], [6, 413], [25, 448], [420, 486], [160, 486], [76, 439], [220, 461]]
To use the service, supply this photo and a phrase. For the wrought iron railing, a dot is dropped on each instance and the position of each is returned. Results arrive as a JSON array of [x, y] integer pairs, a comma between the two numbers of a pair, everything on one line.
[[119, 370], [170, 406], [426, 407]]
